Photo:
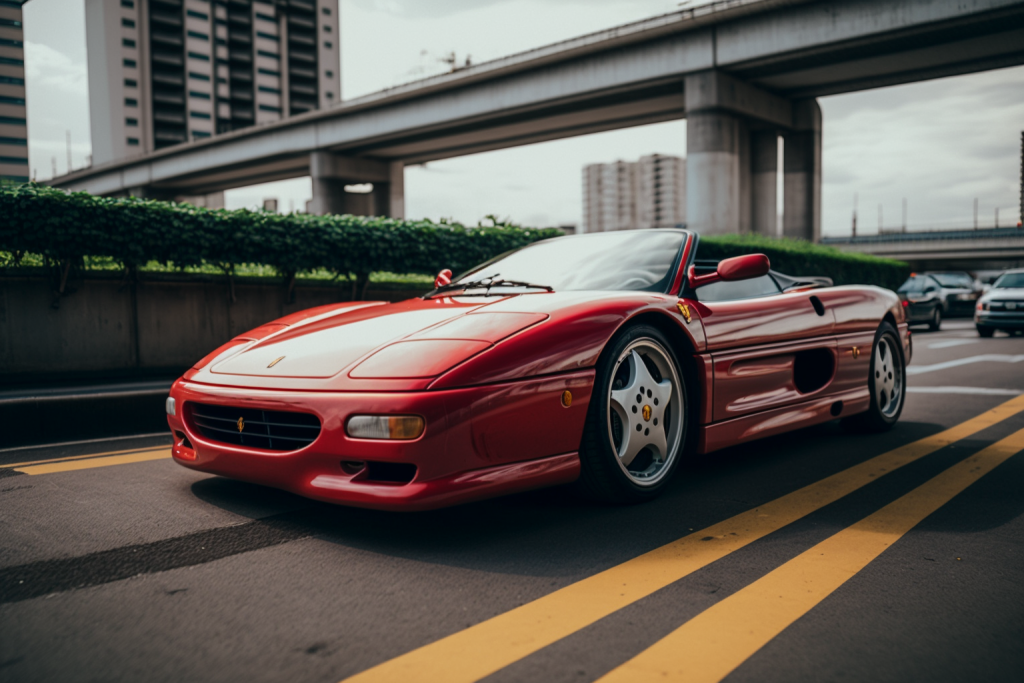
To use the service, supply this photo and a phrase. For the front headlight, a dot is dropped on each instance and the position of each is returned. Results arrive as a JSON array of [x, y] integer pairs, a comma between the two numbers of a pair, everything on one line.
[[397, 427]]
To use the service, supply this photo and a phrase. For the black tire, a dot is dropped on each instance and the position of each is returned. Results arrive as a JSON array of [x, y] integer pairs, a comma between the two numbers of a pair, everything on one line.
[[935, 324], [984, 331], [881, 415], [604, 476]]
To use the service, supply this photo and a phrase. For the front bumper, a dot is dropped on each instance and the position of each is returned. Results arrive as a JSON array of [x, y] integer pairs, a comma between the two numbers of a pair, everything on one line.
[[478, 442], [1001, 320]]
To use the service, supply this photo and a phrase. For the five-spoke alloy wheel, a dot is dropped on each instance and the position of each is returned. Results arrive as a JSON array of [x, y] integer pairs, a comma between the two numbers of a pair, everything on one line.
[[886, 383], [636, 425]]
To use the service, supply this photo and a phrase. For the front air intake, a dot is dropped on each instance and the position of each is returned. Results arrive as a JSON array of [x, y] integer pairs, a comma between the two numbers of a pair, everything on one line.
[[270, 430]]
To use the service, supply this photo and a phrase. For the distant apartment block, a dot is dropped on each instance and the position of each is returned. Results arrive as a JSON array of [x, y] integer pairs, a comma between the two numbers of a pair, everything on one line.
[[13, 128], [649, 193], [163, 72]]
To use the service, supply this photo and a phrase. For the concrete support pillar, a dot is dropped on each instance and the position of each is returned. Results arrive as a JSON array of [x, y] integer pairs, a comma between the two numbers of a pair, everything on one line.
[[764, 174], [330, 173], [802, 178], [716, 175]]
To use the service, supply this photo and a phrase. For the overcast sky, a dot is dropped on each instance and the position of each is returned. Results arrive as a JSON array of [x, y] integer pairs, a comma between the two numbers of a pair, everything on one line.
[[938, 144]]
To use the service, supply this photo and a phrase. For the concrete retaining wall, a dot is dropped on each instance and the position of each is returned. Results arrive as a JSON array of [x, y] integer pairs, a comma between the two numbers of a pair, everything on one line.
[[105, 329]]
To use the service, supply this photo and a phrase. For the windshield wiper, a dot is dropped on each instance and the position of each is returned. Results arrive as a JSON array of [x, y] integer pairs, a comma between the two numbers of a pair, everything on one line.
[[486, 284]]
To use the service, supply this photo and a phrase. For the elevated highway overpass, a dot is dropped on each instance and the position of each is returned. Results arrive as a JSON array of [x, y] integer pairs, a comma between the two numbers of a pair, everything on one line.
[[741, 71], [992, 248]]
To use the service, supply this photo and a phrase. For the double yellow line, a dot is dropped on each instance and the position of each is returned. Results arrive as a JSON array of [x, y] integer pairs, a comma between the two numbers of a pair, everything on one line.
[[86, 462], [718, 640]]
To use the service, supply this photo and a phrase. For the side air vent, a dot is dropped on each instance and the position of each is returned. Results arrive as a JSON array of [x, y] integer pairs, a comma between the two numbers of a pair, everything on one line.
[[269, 430]]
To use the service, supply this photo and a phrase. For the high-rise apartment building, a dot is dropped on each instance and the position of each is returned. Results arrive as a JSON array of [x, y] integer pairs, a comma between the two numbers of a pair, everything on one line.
[[649, 193], [163, 72], [13, 127]]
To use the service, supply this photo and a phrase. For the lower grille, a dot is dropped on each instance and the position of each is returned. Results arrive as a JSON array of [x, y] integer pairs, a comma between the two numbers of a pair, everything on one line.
[[270, 430]]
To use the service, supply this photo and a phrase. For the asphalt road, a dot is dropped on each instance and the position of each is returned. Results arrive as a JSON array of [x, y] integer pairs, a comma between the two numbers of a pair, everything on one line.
[[815, 556]]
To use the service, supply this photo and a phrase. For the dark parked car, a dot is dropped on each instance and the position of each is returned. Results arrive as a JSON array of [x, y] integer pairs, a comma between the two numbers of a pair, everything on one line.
[[923, 300], [960, 292]]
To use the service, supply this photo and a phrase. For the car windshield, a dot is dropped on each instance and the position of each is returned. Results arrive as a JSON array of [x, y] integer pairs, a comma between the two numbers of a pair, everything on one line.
[[953, 279], [1010, 281], [637, 260], [915, 283]]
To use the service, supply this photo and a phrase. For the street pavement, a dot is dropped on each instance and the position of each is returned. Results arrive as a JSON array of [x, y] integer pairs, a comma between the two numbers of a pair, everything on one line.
[[814, 556]]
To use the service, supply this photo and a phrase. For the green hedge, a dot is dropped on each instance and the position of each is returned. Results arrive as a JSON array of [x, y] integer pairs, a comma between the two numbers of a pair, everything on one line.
[[796, 257], [64, 228]]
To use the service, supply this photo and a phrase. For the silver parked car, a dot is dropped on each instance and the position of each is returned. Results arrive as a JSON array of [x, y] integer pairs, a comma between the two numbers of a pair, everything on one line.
[[1002, 306]]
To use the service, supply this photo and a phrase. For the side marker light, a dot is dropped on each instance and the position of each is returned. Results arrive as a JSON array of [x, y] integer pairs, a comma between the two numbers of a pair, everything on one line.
[[566, 398], [170, 406]]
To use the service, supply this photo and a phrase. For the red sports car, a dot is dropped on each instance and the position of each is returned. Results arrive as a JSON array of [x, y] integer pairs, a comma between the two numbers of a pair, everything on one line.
[[605, 358]]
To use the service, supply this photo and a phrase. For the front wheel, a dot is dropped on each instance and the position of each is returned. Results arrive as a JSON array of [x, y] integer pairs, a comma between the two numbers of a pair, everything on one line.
[[886, 384], [637, 419], [936, 322], [984, 331]]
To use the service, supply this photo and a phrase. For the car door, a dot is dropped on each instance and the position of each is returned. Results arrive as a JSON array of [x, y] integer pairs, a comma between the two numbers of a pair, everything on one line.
[[769, 349]]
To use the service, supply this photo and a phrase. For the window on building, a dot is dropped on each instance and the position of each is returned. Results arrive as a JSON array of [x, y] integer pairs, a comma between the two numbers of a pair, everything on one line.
[[12, 100], [264, 88], [130, 4], [199, 114], [14, 160], [265, 17], [267, 107], [200, 134], [12, 61], [200, 95], [327, 45], [131, 122], [201, 57], [12, 121], [221, 79], [17, 142], [264, 53], [268, 36], [11, 80], [197, 15], [127, 23], [329, 74], [131, 102], [198, 77], [327, 28], [131, 83], [128, 42], [220, 41], [198, 35], [326, 10], [133, 141], [268, 72], [10, 22], [130, 63]]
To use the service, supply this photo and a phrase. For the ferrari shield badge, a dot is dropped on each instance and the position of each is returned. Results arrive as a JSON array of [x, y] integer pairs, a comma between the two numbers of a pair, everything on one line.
[[241, 423], [685, 310]]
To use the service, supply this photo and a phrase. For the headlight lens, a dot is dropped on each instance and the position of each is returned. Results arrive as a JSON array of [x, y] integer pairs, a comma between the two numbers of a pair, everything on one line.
[[397, 427]]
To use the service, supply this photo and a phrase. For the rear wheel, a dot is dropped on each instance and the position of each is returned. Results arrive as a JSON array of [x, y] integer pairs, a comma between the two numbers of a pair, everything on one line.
[[886, 384], [984, 331], [936, 322], [637, 419]]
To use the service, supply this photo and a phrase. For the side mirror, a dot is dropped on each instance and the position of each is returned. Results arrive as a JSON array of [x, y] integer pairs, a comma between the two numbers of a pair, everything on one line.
[[930, 290], [731, 269], [443, 278]]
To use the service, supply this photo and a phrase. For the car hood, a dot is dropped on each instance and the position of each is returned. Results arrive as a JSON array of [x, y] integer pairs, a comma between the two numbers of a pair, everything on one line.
[[398, 345], [1007, 294]]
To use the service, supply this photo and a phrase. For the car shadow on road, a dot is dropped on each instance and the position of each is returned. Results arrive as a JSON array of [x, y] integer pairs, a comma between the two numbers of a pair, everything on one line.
[[558, 532]]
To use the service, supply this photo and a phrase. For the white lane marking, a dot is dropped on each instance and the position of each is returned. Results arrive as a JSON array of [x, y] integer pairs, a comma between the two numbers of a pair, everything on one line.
[[986, 358], [951, 342], [985, 391]]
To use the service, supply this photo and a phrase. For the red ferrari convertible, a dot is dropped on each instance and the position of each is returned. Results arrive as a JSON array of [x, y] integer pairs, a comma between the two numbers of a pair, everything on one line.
[[605, 358]]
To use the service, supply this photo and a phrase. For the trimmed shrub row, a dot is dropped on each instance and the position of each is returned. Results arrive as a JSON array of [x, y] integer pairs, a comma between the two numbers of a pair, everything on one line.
[[64, 228]]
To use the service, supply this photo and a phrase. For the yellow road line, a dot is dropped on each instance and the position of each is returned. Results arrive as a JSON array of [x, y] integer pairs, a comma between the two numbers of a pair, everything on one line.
[[69, 466], [480, 650], [710, 646], [81, 457]]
